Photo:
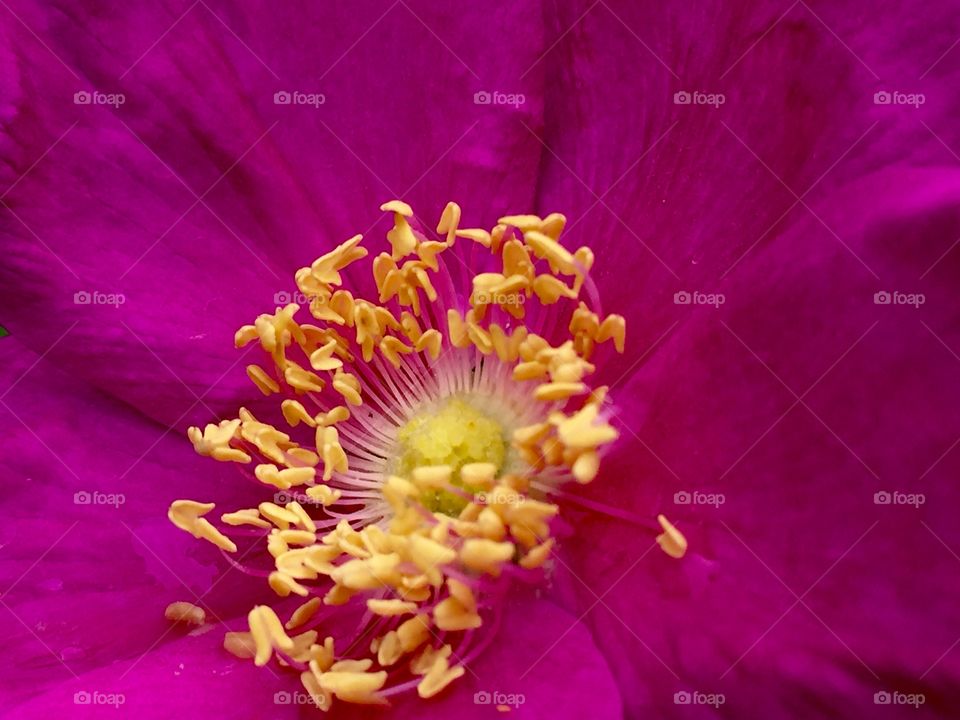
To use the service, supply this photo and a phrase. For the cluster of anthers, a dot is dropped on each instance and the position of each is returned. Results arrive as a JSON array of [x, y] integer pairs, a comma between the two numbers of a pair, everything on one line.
[[433, 443]]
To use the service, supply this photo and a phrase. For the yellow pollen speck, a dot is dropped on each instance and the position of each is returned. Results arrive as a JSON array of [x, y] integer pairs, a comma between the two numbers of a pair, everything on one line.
[[671, 540]]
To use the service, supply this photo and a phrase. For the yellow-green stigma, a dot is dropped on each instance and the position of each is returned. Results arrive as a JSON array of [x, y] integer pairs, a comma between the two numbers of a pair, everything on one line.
[[454, 433]]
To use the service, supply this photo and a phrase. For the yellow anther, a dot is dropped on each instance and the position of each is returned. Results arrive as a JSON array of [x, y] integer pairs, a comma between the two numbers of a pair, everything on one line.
[[427, 554], [302, 380], [486, 556], [550, 289], [434, 477], [284, 479], [553, 225], [303, 614], [301, 457], [355, 687], [450, 615], [303, 520], [401, 237], [530, 371], [478, 475], [615, 327], [671, 540], [531, 434], [276, 546], [490, 525], [430, 342], [478, 336], [581, 431], [328, 445], [457, 329], [391, 607], [428, 251], [294, 413], [586, 467], [559, 390], [438, 677], [475, 234], [323, 358], [323, 494], [538, 555], [281, 517], [186, 613], [392, 348], [214, 441], [546, 248], [449, 221], [521, 222], [283, 584], [326, 269], [516, 260], [245, 335], [414, 632], [266, 384], [245, 517], [188, 515], [496, 237], [348, 386], [239, 644], [268, 633], [298, 537], [333, 416], [322, 698]]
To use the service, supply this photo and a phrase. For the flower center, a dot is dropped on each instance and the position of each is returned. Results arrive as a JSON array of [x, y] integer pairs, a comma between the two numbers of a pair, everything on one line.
[[454, 433]]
